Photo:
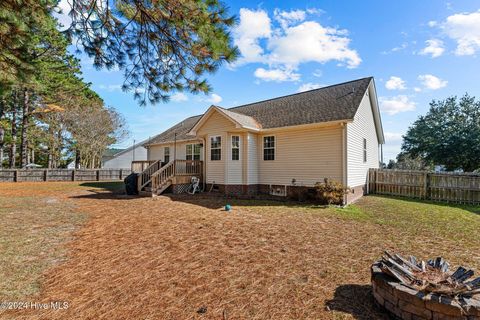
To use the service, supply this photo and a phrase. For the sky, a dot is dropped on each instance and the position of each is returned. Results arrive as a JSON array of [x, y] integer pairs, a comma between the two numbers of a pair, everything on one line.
[[416, 51]]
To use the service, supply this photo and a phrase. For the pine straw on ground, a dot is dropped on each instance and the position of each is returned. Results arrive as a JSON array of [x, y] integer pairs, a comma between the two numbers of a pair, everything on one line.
[[183, 257]]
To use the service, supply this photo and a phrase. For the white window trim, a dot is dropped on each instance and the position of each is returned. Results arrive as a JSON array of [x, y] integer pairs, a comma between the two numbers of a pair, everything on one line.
[[210, 147], [193, 151], [274, 147], [239, 147], [165, 154]]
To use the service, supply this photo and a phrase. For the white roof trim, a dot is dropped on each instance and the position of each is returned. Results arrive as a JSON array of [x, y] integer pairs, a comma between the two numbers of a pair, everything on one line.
[[206, 115], [376, 111]]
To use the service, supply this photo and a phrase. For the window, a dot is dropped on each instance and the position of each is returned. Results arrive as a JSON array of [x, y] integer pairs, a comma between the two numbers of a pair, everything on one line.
[[269, 148], [215, 148], [235, 148], [364, 150], [166, 154], [192, 152]]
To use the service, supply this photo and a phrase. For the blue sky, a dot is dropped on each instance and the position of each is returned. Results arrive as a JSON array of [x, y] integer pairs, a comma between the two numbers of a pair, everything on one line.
[[416, 50]]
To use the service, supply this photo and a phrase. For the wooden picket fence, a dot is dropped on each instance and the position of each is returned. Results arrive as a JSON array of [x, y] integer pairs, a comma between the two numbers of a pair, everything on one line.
[[437, 186], [24, 175]]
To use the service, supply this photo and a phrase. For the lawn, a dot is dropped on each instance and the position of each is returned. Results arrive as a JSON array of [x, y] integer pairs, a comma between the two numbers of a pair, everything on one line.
[[112, 256]]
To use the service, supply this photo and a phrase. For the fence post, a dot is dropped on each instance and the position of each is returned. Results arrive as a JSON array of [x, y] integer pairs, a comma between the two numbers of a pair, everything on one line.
[[98, 174], [15, 176], [120, 174], [45, 175], [426, 185], [73, 175]]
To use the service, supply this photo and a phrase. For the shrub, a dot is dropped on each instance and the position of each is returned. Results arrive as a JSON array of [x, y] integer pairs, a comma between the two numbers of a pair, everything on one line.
[[331, 192]]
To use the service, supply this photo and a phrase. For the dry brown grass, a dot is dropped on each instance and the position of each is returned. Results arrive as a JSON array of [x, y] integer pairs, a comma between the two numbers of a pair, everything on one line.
[[165, 258]]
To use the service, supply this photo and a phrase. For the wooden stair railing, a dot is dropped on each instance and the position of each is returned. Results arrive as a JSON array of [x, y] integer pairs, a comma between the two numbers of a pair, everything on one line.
[[146, 176], [163, 176], [162, 179]]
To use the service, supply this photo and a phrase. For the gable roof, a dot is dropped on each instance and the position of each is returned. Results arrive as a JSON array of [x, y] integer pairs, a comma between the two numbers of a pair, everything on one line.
[[110, 152], [122, 151], [240, 120], [333, 103]]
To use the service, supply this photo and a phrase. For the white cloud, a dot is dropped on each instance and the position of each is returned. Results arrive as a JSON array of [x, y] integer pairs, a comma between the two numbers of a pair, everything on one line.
[[464, 28], [214, 98], [62, 10], [309, 86], [417, 89], [317, 73], [397, 104], [432, 23], [434, 48], [311, 42], [179, 97], [431, 82], [403, 46], [278, 75], [111, 87], [393, 137], [253, 26], [286, 18], [395, 83], [289, 42]]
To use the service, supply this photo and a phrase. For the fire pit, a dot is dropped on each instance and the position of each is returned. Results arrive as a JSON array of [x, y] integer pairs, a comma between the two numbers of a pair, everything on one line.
[[412, 289]]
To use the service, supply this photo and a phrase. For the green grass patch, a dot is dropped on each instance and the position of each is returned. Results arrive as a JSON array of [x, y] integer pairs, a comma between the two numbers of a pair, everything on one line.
[[33, 230]]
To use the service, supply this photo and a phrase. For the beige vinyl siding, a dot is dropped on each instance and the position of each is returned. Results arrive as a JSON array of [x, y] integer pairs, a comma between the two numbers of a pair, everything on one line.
[[308, 156], [234, 167], [252, 158], [156, 152], [216, 125], [363, 126]]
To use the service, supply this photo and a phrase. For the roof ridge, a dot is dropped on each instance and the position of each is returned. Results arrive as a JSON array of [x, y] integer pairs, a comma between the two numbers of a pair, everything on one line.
[[299, 93]]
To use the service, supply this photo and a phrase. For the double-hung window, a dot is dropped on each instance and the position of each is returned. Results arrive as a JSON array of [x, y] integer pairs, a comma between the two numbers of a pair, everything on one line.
[[166, 154], [235, 148], [215, 148], [269, 148], [193, 152]]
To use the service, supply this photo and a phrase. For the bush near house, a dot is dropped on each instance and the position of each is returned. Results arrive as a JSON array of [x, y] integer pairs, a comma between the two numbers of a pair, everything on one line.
[[331, 191]]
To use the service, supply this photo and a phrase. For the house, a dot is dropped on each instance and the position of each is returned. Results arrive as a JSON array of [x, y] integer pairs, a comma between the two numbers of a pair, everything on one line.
[[122, 158], [274, 146]]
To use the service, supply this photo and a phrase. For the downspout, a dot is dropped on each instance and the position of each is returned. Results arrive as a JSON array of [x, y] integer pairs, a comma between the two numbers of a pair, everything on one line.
[[204, 167], [344, 162]]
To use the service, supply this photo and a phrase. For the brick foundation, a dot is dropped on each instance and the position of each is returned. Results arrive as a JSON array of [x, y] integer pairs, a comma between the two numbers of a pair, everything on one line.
[[296, 193], [356, 193], [405, 303]]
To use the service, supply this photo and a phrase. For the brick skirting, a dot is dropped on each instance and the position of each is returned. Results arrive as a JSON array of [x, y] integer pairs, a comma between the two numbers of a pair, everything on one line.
[[296, 193]]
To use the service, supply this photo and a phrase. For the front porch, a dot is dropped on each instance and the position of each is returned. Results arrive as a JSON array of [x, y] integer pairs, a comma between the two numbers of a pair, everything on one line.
[[159, 176]]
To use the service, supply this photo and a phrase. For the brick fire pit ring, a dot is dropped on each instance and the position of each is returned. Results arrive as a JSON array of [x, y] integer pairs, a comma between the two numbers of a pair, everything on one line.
[[403, 302]]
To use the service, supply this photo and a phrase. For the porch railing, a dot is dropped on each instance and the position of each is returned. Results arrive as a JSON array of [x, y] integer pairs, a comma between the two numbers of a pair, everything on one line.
[[175, 168], [140, 166], [145, 177]]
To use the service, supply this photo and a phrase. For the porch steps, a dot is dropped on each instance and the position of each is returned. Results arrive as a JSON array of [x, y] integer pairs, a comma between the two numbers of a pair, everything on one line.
[[157, 177], [162, 188]]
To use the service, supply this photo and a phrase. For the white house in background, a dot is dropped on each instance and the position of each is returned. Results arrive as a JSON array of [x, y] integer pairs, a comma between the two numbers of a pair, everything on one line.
[[275, 146], [124, 158]]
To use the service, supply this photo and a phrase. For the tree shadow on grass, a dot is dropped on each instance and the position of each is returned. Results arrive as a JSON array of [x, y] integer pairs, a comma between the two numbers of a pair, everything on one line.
[[356, 300], [105, 190]]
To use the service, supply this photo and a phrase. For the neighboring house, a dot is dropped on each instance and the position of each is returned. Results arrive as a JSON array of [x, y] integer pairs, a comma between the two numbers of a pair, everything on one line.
[[282, 144], [122, 158]]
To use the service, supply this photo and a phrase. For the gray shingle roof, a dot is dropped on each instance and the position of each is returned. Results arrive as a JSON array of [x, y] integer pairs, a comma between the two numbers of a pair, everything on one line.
[[332, 103]]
